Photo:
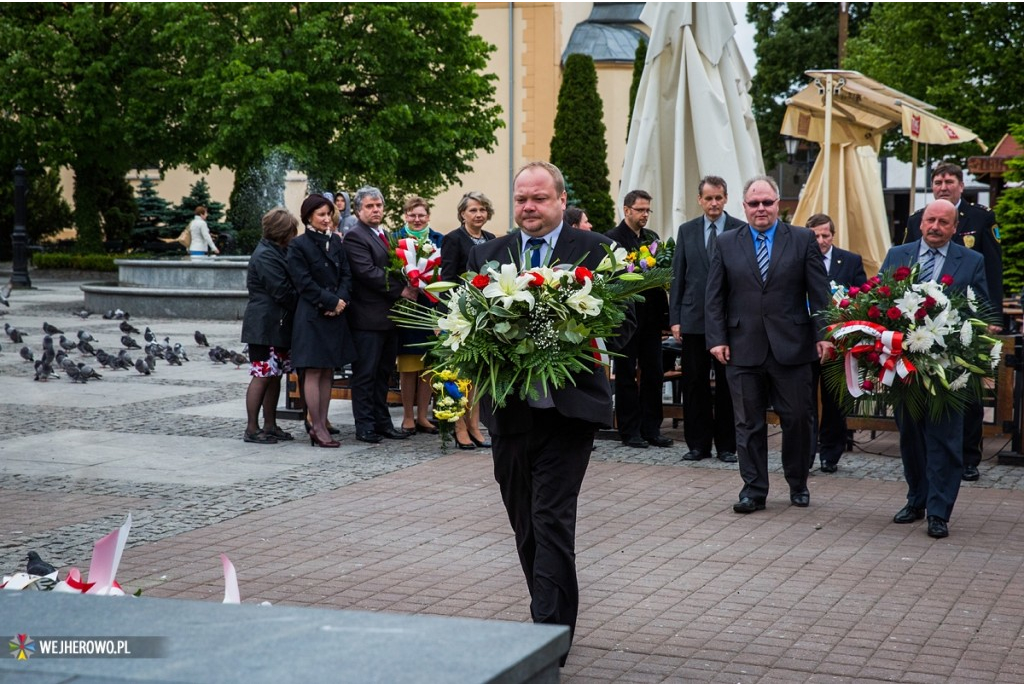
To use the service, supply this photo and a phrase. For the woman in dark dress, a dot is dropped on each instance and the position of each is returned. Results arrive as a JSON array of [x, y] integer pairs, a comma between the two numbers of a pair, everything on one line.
[[267, 325], [474, 211], [318, 266]]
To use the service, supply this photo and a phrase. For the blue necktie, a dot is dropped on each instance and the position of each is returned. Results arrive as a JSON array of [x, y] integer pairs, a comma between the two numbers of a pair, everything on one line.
[[534, 250], [927, 266], [762, 255]]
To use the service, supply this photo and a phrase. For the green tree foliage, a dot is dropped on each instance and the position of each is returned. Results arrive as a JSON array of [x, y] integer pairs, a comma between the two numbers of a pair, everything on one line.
[[116, 204], [185, 211], [258, 189], [391, 94], [46, 211], [85, 88], [578, 147], [154, 216], [638, 71], [1010, 213], [962, 57], [792, 37]]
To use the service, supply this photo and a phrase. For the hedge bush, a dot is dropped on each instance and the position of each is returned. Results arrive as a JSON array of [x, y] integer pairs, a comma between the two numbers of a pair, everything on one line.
[[75, 262]]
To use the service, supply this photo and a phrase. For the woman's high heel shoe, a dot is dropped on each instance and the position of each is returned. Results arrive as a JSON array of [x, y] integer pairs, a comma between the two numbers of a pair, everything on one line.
[[317, 442], [479, 443]]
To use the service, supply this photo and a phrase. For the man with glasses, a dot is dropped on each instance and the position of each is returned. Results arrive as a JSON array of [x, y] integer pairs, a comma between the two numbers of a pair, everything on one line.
[[638, 406], [707, 418], [764, 281]]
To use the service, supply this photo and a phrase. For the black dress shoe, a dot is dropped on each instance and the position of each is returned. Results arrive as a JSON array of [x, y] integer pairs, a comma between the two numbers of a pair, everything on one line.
[[748, 505], [828, 468], [635, 441], [727, 457], [908, 514], [368, 436], [695, 455], [660, 441], [800, 499], [970, 473], [392, 433], [937, 528]]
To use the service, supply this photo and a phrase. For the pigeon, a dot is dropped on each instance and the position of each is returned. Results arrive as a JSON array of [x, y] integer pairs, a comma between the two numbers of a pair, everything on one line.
[[149, 336], [82, 313], [51, 330], [85, 336], [85, 348], [219, 355], [151, 362], [115, 314], [67, 344], [48, 343], [88, 372], [180, 351], [102, 357], [60, 357], [239, 360], [171, 358], [74, 373], [129, 343], [44, 371], [5, 293], [128, 328], [38, 567], [140, 366], [26, 354], [13, 333], [200, 339]]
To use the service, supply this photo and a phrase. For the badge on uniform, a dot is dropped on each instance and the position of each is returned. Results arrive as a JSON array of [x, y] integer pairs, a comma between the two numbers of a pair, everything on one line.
[[969, 242], [995, 234]]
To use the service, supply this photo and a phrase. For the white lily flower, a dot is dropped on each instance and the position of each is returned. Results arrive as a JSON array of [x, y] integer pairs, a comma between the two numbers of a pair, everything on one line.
[[509, 286], [909, 303], [620, 259], [583, 302], [457, 326]]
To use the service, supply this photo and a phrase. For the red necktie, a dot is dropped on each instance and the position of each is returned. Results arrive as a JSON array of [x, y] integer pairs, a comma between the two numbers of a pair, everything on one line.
[[384, 239]]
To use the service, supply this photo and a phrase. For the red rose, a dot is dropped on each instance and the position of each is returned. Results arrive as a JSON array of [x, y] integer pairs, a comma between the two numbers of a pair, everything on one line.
[[876, 279], [920, 314], [884, 290], [872, 357], [537, 279], [853, 292], [946, 280], [480, 281], [582, 273], [929, 302], [894, 313], [901, 273], [867, 384], [844, 303], [866, 288], [874, 312]]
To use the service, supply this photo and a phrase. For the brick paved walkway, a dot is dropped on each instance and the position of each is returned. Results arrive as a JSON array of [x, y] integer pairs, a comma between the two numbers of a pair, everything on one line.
[[674, 585]]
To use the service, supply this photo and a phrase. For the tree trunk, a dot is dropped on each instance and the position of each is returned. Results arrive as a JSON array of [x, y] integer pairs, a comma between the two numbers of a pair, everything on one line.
[[87, 210]]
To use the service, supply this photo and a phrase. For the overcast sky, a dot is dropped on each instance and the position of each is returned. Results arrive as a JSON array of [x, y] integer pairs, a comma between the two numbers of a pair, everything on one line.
[[745, 36]]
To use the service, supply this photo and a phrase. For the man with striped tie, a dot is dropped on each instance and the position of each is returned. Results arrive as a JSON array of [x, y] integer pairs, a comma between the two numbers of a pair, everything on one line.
[[765, 281], [932, 448]]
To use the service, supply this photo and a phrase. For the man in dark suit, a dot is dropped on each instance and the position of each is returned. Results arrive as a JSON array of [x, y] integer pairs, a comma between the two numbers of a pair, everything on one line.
[[541, 448], [706, 419], [762, 279], [375, 335], [976, 230], [847, 269], [932, 449], [638, 405]]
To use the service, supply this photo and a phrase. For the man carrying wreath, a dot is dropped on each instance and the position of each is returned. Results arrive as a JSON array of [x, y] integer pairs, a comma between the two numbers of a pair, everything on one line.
[[541, 447], [932, 448]]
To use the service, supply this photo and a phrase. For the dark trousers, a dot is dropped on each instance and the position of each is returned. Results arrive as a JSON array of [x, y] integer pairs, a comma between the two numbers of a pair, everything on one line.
[[974, 417], [788, 389], [638, 406], [540, 473], [707, 417], [830, 433], [932, 453], [371, 373]]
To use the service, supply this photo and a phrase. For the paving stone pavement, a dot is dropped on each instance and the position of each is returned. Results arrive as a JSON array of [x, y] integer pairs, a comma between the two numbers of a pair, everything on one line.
[[674, 585]]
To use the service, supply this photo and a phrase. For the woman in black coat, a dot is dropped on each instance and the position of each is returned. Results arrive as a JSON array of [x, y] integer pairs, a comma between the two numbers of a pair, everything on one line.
[[267, 326], [319, 268], [474, 211]]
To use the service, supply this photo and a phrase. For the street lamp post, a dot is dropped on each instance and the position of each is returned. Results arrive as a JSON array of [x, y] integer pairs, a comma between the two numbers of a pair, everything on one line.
[[19, 238]]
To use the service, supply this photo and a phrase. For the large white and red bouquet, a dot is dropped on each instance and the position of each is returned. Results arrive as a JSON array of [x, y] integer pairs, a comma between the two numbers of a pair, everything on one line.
[[907, 344], [419, 262], [528, 331]]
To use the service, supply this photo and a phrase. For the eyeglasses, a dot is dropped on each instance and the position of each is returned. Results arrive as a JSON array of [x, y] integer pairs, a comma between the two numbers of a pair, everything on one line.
[[417, 217], [760, 203], [641, 211]]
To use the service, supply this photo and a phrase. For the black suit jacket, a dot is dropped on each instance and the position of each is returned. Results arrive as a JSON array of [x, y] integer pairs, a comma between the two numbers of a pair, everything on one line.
[[455, 253], [846, 268], [753, 317], [374, 290], [690, 275], [976, 230], [590, 399]]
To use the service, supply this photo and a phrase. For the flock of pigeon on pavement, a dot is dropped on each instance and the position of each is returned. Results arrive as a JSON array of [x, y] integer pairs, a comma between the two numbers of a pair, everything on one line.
[[59, 350]]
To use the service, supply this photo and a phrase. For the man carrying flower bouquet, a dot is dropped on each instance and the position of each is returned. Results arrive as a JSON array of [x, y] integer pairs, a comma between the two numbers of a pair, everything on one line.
[[932, 447], [639, 407], [541, 447], [761, 281]]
